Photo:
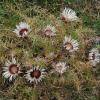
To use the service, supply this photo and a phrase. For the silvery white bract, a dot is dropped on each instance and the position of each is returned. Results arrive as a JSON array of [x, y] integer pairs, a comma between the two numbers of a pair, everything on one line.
[[70, 44], [22, 29], [35, 74], [49, 31], [69, 15], [94, 56], [11, 70]]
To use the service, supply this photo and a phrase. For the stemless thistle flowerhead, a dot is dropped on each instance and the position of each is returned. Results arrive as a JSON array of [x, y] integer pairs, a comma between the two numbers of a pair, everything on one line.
[[70, 44], [11, 70], [49, 31], [94, 56], [22, 29], [68, 15], [60, 67], [35, 74], [97, 40]]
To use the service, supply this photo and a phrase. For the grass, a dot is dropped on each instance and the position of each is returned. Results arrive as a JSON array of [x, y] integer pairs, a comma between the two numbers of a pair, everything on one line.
[[81, 80]]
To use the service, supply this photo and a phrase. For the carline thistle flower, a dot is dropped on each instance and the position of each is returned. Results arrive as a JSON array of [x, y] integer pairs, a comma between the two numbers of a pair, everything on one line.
[[69, 15], [60, 67], [22, 29], [70, 44], [11, 70], [49, 31], [94, 56], [36, 74]]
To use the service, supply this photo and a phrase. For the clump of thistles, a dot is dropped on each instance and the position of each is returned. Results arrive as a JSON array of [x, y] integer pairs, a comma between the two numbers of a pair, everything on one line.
[[11, 69], [49, 31], [60, 67], [69, 15], [35, 74], [94, 56], [70, 44], [22, 29]]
